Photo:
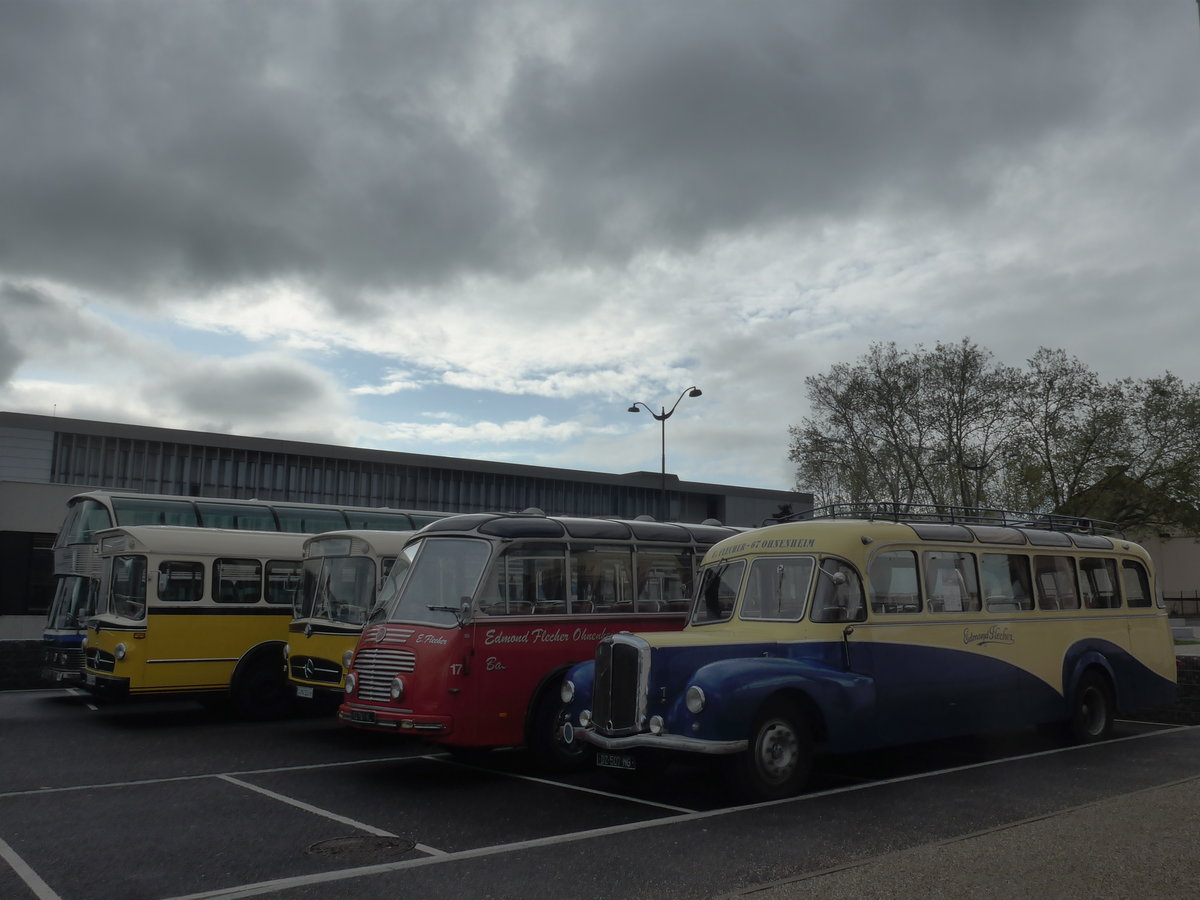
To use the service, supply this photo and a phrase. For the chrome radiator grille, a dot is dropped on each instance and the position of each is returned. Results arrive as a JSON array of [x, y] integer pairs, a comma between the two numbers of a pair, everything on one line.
[[619, 700], [377, 666], [100, 661], [310, 668]]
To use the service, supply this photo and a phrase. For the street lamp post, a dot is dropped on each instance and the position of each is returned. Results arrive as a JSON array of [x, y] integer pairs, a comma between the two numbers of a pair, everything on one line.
[[662, 417]]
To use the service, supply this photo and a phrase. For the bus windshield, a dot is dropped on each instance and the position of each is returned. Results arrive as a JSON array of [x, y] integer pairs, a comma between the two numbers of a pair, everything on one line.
[[82, 522], [74, 601], [444, 575], [337, 589]]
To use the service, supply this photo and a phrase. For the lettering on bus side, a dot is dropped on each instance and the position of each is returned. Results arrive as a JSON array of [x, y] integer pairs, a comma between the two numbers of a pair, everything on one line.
[[542, 636], [767, 544], [995, 634]]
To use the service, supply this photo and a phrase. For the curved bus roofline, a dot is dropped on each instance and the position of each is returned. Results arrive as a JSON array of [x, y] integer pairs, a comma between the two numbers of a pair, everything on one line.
[[954, 515]]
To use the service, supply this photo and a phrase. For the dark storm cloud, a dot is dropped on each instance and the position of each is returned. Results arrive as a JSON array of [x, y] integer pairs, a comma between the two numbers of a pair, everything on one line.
[[34, 324], [256, 390], [151, 145], [155, 148], [719, 116]]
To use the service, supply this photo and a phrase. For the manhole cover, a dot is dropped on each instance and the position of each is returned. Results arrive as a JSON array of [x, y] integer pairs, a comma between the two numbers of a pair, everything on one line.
[[367, 843]]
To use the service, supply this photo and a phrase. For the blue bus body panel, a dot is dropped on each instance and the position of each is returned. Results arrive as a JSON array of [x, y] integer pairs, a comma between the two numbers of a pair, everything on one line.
[[894, 694]]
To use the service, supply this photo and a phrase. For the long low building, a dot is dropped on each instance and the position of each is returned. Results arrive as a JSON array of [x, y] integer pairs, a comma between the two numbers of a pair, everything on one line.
[[44, 460]]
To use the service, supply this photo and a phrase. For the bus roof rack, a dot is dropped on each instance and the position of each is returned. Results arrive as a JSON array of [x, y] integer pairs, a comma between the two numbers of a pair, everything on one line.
[[954, 515]]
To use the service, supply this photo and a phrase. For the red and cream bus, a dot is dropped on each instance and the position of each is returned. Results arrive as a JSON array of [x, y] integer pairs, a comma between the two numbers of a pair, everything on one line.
[[468, 649]]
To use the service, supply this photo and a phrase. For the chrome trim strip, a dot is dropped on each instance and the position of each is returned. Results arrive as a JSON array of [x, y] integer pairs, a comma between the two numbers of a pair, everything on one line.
[[661, 742], [214, 659]]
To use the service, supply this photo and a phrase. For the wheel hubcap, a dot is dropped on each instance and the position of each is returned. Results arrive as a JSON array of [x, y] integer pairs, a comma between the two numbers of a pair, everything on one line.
[[778, 750]]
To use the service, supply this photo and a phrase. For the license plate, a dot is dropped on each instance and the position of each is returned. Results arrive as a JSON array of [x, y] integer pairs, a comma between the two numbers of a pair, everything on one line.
[[362, 715], [304, 691], [616, 761], [90, 678]]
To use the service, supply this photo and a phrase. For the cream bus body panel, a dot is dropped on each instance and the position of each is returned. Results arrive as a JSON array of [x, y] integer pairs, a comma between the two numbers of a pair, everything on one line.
[[190, 646]]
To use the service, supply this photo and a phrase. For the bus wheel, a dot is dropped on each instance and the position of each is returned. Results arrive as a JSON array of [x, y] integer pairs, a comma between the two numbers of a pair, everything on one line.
[[778, 761], [546, 742], [1091, 710], [260, 688]]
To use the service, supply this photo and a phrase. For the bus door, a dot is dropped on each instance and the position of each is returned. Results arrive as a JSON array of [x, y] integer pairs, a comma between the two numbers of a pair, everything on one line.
[[519, 633]]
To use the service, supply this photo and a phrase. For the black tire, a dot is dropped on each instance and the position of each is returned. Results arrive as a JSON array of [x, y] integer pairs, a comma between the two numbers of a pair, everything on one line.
[[1091, 710], [779, 759], [546, 744], [260, 688]]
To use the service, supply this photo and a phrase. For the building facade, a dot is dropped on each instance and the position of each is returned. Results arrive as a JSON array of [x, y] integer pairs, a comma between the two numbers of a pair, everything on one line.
[[45, 460]]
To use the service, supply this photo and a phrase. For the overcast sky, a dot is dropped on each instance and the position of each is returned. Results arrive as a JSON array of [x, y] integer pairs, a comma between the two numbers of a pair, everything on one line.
[[484, 229]]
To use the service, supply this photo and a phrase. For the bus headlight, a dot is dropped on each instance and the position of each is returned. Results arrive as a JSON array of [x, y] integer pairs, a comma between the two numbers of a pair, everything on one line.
[[347, 659], [351, 683], [287, 652], [567, 692], [119, 651], [83, 644], [695, 700], [585, 718], [656, 724], [397, 690]]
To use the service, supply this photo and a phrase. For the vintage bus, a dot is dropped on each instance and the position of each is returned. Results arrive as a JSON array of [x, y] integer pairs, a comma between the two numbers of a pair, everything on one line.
[[76, 561], [198, 612], [469, 648], [343, 574], [853, 631]]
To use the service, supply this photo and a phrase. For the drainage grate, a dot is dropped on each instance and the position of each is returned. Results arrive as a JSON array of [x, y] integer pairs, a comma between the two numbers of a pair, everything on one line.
[[361, 844]]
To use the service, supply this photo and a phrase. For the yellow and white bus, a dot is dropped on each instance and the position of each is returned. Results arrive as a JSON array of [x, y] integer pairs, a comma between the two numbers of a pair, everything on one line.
[[343, 574], [197, 612], [853, 631]]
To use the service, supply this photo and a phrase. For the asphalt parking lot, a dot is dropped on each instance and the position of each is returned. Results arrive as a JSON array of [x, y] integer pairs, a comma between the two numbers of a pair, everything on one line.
[[170, 801]]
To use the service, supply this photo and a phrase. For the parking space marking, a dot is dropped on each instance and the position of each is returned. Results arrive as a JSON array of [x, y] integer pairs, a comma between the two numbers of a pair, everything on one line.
[[570, 787], [280, 884], [25, 873], [316, 810], [168, 780]]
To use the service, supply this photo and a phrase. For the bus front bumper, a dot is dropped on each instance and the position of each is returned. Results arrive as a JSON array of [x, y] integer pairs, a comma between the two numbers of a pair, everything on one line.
[[106, 685], [378, 719], [646, 741]]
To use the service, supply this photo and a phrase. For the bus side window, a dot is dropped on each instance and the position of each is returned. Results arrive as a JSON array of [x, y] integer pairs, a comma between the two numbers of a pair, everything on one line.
[[180, 582], [283, 581], [237, 580], [1006, 584], [893, 578], [1136, 583], [1057, 588], [950, 582], [664, 580], [602, 580], [838, 597], [1099, 583]]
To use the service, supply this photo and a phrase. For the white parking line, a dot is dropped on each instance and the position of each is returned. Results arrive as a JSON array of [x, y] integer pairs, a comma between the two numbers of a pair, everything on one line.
[[145, 781], [570, 787], [30, 877], [316, 810], [280, 884]]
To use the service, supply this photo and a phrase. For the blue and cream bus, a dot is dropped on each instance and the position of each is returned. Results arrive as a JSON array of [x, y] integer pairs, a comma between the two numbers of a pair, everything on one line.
[[858, 629]]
